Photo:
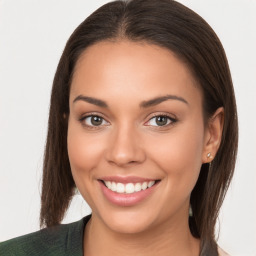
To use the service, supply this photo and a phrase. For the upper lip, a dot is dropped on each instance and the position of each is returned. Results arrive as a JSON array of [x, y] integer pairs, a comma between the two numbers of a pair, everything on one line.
[[126, 179]]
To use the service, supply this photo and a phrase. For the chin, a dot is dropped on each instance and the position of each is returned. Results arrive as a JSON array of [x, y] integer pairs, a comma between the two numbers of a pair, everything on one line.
[[128, 221]]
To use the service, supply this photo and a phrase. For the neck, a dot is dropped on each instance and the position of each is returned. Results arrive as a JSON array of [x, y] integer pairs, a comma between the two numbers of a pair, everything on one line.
[[171, 238]]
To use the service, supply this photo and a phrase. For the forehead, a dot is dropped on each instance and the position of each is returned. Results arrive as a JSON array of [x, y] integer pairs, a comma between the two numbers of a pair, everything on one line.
[[131, 68]]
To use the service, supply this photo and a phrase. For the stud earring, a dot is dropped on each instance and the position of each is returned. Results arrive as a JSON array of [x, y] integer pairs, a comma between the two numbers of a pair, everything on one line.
[[209, 155]]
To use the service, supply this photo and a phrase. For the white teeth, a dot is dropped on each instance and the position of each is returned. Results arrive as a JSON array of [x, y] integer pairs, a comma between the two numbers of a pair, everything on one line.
[[129, 187], [113, 186], [137, 187], [120, 188], [144, 185], [151, 183], [108, 184]]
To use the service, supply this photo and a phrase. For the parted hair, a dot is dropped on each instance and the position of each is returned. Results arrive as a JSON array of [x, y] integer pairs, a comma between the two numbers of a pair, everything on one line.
[[171, 25]]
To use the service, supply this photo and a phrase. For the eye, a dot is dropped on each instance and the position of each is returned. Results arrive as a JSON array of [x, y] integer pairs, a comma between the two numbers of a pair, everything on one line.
[[94, 120], [161, 120]]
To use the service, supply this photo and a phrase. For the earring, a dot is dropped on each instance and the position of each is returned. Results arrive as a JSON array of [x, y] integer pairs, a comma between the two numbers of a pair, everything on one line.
[[77, 191], [209, 155], [190, 211]]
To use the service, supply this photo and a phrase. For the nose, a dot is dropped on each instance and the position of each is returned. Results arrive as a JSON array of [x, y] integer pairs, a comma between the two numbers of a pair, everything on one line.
[[125, 148]]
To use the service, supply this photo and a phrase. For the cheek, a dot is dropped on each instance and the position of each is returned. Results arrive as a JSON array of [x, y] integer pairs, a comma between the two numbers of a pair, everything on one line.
[[83, 150], [84, 154], [179, 156]]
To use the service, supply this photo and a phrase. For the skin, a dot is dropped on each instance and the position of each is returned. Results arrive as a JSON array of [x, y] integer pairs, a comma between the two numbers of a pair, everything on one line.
[[129, 142]]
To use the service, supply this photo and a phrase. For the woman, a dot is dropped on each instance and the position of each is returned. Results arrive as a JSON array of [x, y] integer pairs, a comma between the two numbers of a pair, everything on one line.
[[143, 123]]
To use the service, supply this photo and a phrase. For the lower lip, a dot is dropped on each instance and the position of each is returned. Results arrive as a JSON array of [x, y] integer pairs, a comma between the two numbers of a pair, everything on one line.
[[126, 199]]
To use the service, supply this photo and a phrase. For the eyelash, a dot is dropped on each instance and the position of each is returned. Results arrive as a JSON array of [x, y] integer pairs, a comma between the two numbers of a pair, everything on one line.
[[82, 120], [171, 119]]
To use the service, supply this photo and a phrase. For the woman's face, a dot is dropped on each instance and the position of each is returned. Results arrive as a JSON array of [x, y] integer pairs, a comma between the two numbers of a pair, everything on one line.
[[136, 136]]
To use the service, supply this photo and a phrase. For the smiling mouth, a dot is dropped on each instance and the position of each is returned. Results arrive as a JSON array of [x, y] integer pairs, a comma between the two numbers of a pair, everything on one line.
[[129, 188]]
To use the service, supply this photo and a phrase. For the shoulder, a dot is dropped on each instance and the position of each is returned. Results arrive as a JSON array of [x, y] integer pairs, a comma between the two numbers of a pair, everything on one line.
[[64, 239]]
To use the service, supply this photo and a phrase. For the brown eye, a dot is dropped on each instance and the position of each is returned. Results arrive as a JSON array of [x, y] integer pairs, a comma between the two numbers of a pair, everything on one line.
[[94, 120], [161, 120]]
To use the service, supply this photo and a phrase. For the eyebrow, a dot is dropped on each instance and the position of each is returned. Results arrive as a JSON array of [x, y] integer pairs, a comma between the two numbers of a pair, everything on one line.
[[158, 100], [143, 104], [91, 100]]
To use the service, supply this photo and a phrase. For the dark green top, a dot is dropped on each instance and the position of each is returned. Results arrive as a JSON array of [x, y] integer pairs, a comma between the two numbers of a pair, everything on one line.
[[61, 240]]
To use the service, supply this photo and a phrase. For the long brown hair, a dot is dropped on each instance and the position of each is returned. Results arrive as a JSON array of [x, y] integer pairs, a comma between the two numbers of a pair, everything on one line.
[[171, 25]]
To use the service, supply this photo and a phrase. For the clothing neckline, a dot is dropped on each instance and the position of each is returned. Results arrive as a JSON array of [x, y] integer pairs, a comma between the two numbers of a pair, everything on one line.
[[207, 250]]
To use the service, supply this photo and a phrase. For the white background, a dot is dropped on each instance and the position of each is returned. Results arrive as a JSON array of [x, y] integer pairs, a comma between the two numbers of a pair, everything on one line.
[[32, 36]]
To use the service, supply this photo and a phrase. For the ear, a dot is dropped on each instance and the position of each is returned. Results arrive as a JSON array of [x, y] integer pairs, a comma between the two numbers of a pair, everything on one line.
[[213, 134]]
